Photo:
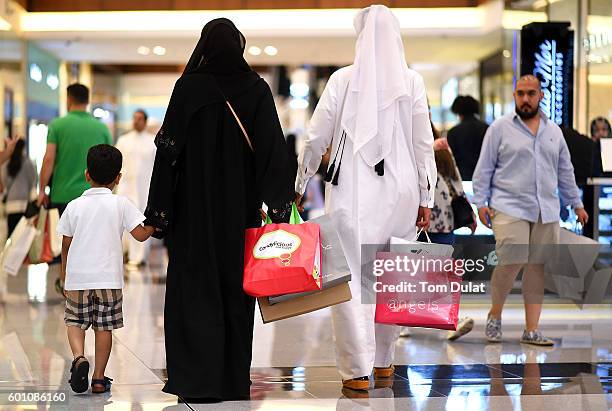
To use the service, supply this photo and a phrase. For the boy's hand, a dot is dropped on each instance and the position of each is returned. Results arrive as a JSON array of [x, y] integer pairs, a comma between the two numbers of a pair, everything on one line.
[[142, 233]]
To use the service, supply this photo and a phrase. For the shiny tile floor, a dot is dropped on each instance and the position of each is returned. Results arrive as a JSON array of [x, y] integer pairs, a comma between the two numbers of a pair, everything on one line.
[[293, 360]]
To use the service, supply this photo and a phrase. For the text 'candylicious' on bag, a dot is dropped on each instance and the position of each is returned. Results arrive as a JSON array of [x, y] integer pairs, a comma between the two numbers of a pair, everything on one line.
[[282, 258]]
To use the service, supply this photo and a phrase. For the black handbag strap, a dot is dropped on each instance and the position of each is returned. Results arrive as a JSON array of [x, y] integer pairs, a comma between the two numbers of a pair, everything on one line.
[[8, 190]]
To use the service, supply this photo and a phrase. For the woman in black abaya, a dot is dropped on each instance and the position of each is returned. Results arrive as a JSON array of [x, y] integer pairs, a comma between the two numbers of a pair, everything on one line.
[[207, 188]]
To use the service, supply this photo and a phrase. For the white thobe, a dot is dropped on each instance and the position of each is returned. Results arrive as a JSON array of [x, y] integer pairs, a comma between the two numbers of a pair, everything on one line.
[[138, 149], [370, 208]]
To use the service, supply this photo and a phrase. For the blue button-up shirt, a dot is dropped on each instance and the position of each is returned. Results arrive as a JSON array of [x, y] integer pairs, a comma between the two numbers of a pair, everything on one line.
[[521, 174]]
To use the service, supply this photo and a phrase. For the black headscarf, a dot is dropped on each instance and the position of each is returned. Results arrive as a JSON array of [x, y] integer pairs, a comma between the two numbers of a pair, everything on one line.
[[219, 51], [215, 71]]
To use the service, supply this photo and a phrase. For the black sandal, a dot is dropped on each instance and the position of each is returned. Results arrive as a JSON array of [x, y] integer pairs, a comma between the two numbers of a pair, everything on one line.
[[106, 383], [79, 375]]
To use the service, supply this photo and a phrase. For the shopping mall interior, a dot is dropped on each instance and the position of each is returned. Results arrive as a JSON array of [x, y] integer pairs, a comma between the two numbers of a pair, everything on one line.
[[130, 53]]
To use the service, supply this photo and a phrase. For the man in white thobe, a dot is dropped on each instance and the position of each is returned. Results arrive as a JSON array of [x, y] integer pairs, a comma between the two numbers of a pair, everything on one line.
[[138, 149], [383, 179]]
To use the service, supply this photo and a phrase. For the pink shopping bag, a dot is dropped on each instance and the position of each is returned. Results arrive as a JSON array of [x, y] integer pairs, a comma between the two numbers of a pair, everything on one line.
[[432, 305]]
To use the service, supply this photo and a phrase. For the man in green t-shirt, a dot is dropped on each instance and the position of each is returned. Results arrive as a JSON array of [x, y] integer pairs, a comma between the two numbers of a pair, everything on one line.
[[68, 141]]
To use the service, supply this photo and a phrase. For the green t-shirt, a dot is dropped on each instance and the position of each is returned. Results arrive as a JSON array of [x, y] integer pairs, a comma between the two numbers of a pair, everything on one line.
[[74, 135]]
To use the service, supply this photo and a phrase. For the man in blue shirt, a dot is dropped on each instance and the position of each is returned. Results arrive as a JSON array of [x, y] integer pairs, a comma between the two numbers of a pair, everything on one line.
[[524, 166]]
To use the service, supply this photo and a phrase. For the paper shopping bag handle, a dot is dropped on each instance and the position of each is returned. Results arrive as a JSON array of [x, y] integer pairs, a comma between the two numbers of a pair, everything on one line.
[[426, 235]]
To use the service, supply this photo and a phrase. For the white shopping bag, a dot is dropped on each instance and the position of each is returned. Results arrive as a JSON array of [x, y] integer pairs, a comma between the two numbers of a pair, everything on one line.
[[17, 247], [55, 238]]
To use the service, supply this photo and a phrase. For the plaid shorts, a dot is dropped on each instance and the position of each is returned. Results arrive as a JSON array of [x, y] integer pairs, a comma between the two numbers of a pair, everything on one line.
[[100, 309]]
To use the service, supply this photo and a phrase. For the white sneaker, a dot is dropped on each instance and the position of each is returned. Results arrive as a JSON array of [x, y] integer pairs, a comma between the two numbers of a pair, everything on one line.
[[464, 326]]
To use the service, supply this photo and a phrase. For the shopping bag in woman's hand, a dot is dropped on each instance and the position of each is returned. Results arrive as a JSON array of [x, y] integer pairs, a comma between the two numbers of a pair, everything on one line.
[[282, 258]]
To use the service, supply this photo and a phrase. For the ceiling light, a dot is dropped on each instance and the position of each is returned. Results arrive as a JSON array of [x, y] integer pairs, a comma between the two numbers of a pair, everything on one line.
[[159, 50], [299, 90], [52, 81], [143, 50], [507, 54], [254, 51], [271, 50], [101, 113], [36, 72]]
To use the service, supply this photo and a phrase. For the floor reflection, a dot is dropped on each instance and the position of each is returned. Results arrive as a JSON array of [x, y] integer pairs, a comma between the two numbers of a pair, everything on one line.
[[293, 360]]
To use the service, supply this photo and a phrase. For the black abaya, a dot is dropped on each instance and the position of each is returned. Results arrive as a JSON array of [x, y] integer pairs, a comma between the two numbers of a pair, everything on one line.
[[207, 187]]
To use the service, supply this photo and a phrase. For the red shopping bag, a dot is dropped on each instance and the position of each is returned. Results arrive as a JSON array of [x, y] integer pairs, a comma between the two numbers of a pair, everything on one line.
[[282, 258], [431, 302]]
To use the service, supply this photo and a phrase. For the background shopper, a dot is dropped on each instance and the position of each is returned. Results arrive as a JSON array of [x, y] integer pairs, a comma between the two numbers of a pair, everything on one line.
[[448, 186], [68, 141], [600, 129], [5, 155], [19, 181], [138, 149], [465, 139], [523, 163]]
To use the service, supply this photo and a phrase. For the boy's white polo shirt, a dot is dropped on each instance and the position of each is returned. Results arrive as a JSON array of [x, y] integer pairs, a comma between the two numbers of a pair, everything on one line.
[[96, 222]]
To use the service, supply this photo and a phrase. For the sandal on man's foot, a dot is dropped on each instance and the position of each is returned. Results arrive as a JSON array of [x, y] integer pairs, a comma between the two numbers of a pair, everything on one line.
[[384, 372], [101, 386], [79, 374]]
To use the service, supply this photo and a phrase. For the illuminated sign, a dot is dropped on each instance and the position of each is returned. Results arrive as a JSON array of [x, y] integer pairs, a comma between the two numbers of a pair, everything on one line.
[[549, 69], [547, 51]]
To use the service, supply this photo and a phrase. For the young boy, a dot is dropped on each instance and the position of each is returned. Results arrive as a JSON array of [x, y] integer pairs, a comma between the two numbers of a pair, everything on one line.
[[92, 264]]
